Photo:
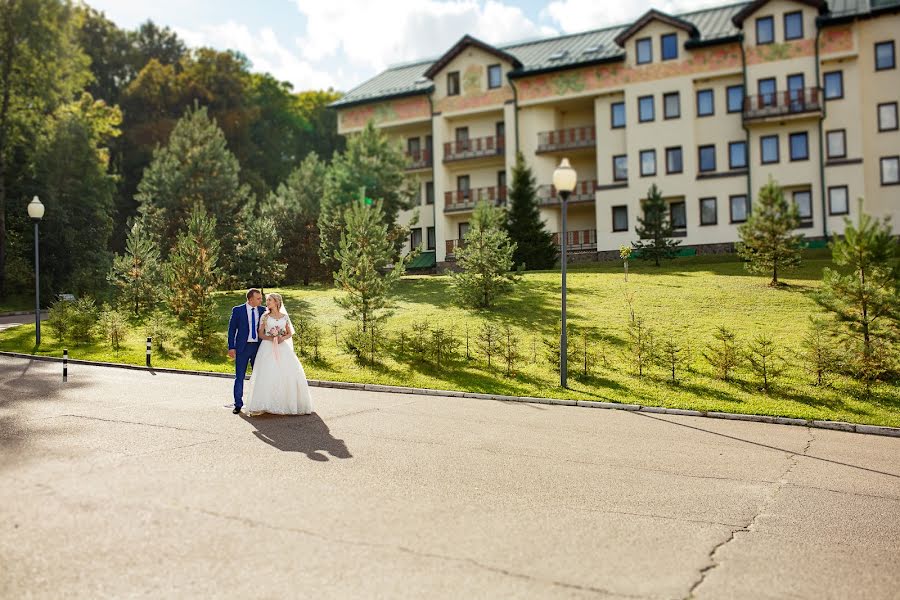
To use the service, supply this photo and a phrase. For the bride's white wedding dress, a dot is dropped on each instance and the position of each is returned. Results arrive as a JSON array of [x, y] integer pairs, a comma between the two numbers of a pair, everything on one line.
[[278, 383]]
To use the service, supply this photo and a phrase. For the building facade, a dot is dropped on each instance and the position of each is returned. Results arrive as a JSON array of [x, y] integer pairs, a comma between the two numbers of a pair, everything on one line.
[[707, 105]]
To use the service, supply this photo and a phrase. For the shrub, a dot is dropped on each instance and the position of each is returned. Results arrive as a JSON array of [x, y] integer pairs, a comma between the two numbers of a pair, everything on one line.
[[158, 330], [59, 319], [113, 327], [83, 320]]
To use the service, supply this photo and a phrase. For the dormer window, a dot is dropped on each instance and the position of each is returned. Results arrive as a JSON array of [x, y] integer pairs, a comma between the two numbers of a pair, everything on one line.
[[453, 83], [495, 76], [669, 44], [765, 30], [644, 51], [793, 26]]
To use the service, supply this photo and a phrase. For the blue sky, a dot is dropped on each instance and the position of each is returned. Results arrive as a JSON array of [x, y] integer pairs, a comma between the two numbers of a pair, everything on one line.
[[341, 43]]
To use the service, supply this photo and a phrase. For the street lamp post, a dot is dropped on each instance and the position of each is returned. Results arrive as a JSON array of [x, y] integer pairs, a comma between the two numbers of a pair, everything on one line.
[[36, 212], [564, 179]]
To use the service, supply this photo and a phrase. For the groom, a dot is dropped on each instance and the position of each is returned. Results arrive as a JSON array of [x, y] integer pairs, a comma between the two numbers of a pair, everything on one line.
[[243, 341]]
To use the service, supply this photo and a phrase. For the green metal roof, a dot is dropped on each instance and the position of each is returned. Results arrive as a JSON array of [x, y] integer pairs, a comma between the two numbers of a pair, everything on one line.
[[425, 260], [569, 51]]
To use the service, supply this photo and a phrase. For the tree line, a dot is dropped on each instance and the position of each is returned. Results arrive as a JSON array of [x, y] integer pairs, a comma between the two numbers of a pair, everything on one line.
[[85, 107]]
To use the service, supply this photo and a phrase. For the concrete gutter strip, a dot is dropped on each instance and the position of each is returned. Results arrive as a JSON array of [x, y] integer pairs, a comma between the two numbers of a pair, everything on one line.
[[370, 387]]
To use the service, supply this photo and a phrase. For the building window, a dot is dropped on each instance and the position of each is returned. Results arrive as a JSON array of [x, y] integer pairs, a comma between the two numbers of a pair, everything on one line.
[[705, 104], [765, 30], [799, 143], [838, 200], [671, 105], [678, 215], [793, 25], [738, 207], [645, 109], [834, 85], [453, 83], [767, 91], [887, 116], [463, 230], [429, 192], [501, 186], [669, 43], [617, 115], [737, 155], [795, 85], [768, 149], [707, 158], [674, 163], [735, 98], [884, 56], [462, 186], [890, 170], [431, 238], [648, 163], [415, 238], [413, 148], [644, 51], [620, 218], [495, 76], [803, 202], [620, 168], [836, 144], [708, 214]]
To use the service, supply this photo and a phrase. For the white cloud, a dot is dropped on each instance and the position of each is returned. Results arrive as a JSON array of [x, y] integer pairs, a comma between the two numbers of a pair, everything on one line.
[[266, 53], [580, 15], [371, 36]]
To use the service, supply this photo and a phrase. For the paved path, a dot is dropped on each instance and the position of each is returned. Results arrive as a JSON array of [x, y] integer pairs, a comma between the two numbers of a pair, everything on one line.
[[15, 320], [124, 483]]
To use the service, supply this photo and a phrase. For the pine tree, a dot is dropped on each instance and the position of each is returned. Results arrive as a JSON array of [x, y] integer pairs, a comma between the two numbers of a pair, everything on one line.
[[485, 259], [655, 229], [295, 206], [195, 169], [534, 244], [376, 166], [767, 240], [258, 251], [764, 359], [366, 275], [864, 297], [138, 273], [192, 275], [725, 356]]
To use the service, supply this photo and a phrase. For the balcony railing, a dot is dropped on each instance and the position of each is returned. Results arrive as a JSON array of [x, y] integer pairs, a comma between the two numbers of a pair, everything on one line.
[[452, 245], [420, 159], [467, 199], [583, 192], [474, 148], [583, 239], [778, 104], [567, 139]]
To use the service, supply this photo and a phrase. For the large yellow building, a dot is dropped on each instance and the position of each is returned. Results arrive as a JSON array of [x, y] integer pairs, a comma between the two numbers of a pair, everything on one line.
[[707, 105]]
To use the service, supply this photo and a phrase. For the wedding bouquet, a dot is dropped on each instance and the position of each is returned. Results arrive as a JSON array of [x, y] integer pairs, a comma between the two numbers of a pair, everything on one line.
[[276, 331]]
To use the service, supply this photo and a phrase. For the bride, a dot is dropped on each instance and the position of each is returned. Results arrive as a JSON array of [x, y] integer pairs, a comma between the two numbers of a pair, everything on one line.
[[278, 383]]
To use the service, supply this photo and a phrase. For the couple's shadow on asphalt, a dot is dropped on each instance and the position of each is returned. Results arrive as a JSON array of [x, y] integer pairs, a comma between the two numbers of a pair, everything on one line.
[[306, 433]]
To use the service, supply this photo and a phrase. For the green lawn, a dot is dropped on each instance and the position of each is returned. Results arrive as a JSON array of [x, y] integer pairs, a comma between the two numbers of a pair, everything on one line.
[[17, 303], [688, 298]]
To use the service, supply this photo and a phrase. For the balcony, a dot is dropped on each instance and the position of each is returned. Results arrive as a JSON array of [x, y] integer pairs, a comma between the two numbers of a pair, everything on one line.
[[579, 240], [474, 148], [419, 159], [583, 192], [461, 200], [805, 102], [567, 139]]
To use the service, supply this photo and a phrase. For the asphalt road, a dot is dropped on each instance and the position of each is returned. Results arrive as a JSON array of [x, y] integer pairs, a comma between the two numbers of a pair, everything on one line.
[[122, 483]]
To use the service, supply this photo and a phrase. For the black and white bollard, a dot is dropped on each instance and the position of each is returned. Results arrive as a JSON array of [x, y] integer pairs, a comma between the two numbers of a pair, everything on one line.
[[65, 365], [149, 342]]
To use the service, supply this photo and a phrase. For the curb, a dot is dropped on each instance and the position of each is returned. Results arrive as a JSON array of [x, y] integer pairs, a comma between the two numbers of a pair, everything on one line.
[[21, 313], [372, 387]]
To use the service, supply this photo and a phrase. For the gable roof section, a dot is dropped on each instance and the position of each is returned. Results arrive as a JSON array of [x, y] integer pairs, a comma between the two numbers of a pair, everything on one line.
[[655, 15], [754, 6], [462, 44], [713, 25]]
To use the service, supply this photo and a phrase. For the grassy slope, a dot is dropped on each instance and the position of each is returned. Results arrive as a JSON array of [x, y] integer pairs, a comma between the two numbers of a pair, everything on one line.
[[688, 298]]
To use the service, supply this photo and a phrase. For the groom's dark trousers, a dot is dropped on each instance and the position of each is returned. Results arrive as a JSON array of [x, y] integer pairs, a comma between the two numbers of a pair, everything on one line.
[[244, 350]]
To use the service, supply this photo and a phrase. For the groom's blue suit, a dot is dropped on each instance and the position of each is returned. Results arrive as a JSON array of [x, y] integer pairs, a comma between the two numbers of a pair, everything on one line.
[[245, 350]]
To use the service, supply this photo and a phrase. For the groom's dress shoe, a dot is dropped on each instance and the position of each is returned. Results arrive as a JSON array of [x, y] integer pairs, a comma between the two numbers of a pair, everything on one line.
[[236, 410]]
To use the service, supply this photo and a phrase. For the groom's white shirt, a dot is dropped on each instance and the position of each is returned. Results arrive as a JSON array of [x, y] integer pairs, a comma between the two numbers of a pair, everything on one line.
[[250, 310]]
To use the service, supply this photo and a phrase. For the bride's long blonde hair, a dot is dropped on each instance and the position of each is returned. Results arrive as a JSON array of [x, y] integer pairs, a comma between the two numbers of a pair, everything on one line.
[[279, 300]]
